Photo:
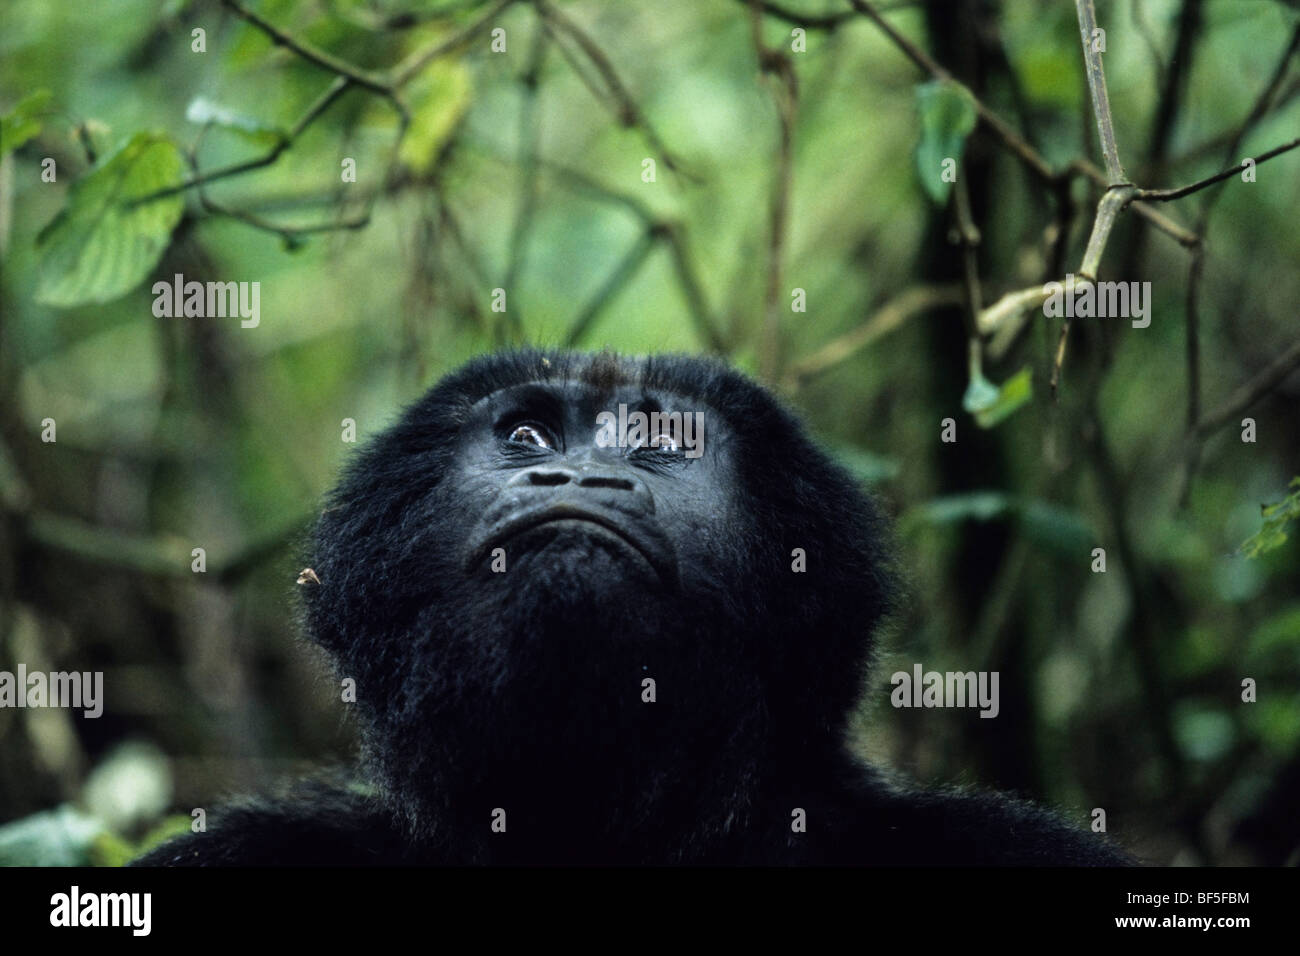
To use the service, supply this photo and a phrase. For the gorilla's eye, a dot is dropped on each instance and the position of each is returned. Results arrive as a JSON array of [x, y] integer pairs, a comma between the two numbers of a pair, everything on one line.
[[530, 435], [664, 442]]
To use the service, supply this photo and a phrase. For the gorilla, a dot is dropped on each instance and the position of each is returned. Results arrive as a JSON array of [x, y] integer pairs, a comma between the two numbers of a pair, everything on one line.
[[605, 610]]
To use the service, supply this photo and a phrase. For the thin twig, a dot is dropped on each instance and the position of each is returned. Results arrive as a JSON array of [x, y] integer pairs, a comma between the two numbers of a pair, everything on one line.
[[776, 67], [1026, 153], [1170, 102], [701, 315], [809, 21], [530, 130], [1266, 95], [450, 222], [891, 315], [346, 75], [336, 89], [381, 22], [1193, 336], [312, 54], [1087, 13], [1164, 195], [969, 238], [578, 180], [628, 112], [1010, 138], [1012, 304], [672, 233], [290, 234], [1263, 103], [1251, 392], [1118, 193], [409, 68], [621, 275], [1111, 204], [1143, 620], [968, 235], [1216, 142], [1153, 49]]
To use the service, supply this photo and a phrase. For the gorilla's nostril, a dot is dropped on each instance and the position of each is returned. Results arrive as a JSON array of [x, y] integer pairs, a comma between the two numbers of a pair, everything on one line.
[[548, 478], [602, 481]]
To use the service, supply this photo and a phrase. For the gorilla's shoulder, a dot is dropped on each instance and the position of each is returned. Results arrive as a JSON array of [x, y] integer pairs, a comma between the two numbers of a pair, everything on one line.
[[312, 824], [898, 825]]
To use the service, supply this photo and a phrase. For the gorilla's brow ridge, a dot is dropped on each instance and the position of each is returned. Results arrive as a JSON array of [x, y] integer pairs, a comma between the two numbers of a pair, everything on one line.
[[688, 378]]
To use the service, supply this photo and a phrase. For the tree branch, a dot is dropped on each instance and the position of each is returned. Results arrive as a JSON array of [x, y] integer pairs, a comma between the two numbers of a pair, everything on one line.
[[628, 112], [907, 304], [1251, 392], [407, 70], [1026, 153], [775, 67], [623, 272], [312, 54], [1087, 13], [1164, 195]]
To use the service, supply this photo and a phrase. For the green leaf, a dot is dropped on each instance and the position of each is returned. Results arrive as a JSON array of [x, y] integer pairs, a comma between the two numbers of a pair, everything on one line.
[[1053, 526], [102, 244], [1277, 723], [172, 826], [23, 121], [109, 849], [973, 505], [868, 467], [203, 111], [60, 837], [1277, 634], [990, 404], [947, 117], [1272, 534], [1043, 523], [437, 101], [980, 393], [1204, 734]]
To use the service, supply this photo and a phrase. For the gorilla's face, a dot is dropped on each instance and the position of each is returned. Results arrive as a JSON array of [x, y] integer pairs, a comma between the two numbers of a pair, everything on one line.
[[503, 569], [602, 493]]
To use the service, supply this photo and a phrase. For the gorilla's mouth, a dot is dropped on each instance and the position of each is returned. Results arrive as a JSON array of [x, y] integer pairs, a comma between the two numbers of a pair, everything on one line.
[[653, 552]]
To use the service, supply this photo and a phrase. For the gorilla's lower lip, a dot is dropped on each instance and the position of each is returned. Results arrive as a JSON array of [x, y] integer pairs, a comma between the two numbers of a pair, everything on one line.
[[653, 556]]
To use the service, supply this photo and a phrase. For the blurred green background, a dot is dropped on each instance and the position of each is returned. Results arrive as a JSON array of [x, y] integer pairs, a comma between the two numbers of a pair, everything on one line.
[[523, 170]]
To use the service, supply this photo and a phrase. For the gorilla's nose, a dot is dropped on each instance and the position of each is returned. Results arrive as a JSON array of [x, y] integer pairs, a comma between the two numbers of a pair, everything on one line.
[[542, 477], [585, 475], [592, 477], [601, 482]]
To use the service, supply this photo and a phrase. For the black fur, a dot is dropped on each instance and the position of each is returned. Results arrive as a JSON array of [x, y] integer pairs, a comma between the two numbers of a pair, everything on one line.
[[522, 690]]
